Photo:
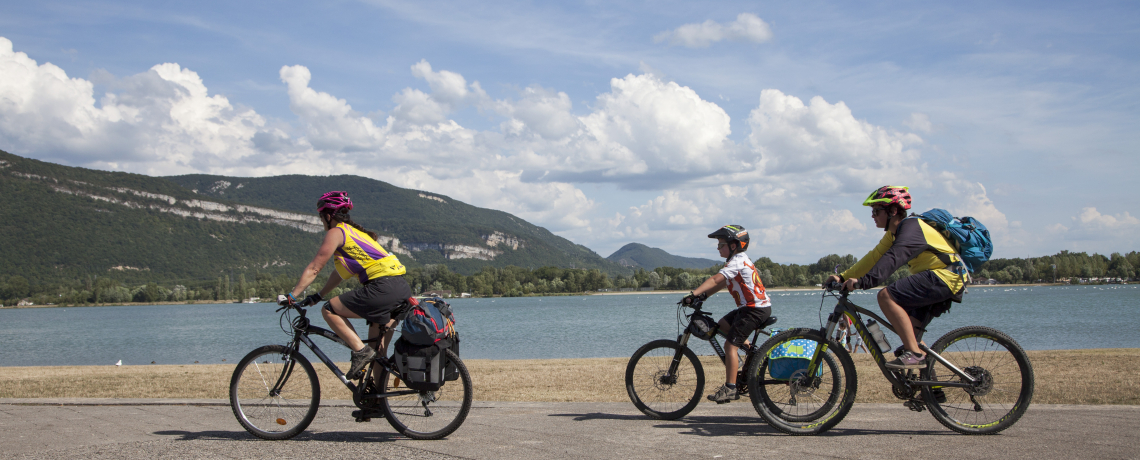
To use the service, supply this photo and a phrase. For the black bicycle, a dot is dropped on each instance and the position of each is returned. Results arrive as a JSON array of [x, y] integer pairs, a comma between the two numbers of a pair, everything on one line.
[[665, 379], [274, 391], [977, 379]]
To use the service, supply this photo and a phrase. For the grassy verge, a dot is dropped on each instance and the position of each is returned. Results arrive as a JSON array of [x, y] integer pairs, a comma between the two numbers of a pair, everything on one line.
[[1062, 377]]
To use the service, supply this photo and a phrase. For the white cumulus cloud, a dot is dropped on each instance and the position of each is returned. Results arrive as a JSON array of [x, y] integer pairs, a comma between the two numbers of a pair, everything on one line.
[[746, 28]]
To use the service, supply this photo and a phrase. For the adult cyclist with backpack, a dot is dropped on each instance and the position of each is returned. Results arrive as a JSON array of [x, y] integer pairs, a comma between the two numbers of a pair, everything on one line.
[[357, 254], [754, 306], [932, 285]]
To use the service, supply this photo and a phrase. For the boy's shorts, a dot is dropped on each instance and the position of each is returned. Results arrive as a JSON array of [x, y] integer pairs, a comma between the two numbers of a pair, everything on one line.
[[743, 321]]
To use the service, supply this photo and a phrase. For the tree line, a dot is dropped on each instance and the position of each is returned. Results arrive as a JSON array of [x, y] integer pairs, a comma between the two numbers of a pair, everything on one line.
[[517, 281]]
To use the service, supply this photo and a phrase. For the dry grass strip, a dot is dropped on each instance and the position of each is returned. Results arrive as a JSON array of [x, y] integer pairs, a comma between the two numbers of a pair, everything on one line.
[[1062, 377]]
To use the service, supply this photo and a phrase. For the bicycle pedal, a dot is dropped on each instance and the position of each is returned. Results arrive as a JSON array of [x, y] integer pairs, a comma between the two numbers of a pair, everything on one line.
[[915, 406]]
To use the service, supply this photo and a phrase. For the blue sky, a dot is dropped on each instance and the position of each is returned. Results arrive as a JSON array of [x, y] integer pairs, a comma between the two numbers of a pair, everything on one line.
[[613, 122]]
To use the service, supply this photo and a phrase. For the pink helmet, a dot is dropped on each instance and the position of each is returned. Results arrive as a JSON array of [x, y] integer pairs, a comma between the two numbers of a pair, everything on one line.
[[334, 202]]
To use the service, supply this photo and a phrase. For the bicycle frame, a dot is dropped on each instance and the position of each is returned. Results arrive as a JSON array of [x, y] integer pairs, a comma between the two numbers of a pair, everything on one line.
[[302, 328], [898, 378], [683, 340]]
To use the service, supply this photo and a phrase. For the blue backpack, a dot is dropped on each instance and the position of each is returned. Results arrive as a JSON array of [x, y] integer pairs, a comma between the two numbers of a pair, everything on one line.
[[968, 236]]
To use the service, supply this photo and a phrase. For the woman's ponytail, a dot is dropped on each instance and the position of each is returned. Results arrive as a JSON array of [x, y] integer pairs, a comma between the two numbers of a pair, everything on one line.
[[370, 233]]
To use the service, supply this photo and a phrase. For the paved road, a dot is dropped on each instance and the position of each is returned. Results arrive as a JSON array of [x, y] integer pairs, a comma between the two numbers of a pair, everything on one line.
[[105, 428]]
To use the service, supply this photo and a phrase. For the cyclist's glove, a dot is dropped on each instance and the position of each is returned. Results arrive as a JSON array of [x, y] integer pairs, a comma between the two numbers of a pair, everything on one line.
[[311, 300], [689, 299]]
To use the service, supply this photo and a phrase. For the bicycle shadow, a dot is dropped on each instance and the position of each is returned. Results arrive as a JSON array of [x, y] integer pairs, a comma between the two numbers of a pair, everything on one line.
[[707, 425], [306, 436], [737, 425]]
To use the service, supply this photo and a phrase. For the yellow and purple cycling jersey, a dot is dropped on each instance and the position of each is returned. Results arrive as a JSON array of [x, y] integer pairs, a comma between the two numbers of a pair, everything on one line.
[[363, 257]]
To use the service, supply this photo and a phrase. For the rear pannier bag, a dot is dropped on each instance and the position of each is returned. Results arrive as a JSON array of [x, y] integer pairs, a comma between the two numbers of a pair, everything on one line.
[[425, 368], [791, 358], [428, 329]]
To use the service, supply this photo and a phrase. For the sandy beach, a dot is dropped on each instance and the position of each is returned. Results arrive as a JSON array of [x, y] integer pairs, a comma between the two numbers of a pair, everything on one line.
[[1062, 377]]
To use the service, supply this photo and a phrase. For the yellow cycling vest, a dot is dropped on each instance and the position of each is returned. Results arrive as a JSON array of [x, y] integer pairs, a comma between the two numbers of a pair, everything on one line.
[[362, 256], [926, 260]]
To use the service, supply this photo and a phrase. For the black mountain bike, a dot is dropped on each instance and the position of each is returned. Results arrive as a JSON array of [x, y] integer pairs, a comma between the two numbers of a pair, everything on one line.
[[274, 391], [665, 379], [977, 379]]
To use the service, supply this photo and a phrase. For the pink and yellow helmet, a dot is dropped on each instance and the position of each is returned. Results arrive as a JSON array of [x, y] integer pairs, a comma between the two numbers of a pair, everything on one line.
[[888, 195]]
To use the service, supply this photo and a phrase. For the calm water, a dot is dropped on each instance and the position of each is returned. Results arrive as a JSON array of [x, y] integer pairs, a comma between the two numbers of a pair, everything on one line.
[[1040, 318]]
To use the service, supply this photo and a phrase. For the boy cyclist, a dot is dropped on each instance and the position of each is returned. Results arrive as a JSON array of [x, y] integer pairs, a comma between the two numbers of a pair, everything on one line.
[[927, 292], [754, 307]]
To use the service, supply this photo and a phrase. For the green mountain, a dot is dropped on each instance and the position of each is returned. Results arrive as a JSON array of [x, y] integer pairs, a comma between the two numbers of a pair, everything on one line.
[[65, 223], [637, 255]]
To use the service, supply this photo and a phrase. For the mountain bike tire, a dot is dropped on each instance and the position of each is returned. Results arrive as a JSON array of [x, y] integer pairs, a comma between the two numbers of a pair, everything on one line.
[[1005, 390], [274, 416], [657, 395], [428, 415], [804, 405]]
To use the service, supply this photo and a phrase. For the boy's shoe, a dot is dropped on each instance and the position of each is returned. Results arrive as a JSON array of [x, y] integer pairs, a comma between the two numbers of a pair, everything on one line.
[[724, 394], [908, 360], [359, 360]]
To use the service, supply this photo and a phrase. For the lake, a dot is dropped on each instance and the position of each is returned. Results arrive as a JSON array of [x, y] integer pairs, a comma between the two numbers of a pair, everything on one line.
[[1039, 318]]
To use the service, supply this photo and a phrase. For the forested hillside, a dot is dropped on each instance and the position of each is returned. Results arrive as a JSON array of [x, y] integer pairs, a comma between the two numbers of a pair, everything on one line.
[[72, 229], [432, 228]]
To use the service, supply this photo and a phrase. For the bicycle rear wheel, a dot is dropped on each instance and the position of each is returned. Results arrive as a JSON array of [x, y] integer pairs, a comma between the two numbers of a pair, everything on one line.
[[653, 390], [274, 392], [804, 404], [1005, 381], [428, 414]]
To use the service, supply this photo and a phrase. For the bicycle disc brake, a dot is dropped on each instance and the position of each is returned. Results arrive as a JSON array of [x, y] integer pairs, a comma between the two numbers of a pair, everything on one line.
[[662, 381], [801, 384]]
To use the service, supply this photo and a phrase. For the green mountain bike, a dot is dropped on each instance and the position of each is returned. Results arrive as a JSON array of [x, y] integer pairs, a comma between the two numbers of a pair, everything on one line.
[[977, 379]]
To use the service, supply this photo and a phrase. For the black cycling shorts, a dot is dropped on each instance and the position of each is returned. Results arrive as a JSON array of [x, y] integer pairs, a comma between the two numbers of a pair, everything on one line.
[[743, 321], [376, 300], [921, 294]]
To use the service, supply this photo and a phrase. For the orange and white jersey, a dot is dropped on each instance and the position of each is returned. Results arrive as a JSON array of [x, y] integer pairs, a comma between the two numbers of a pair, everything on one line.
[[744, 283]]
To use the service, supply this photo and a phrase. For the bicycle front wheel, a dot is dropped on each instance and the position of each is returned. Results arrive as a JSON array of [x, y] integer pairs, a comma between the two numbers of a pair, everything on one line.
[[428, 414], [274, 392], [1003, 375], [803, 403], [654, 390]]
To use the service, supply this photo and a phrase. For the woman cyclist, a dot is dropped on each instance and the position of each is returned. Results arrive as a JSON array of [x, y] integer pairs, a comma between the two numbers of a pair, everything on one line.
[[754, 307], [927, 292], [357, 254]]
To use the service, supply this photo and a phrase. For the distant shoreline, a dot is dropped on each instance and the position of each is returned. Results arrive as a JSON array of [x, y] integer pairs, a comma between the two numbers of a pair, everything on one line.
[[553, 294]]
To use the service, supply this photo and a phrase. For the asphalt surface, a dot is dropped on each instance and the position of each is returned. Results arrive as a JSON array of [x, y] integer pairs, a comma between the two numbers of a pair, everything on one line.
[[115, 428]]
